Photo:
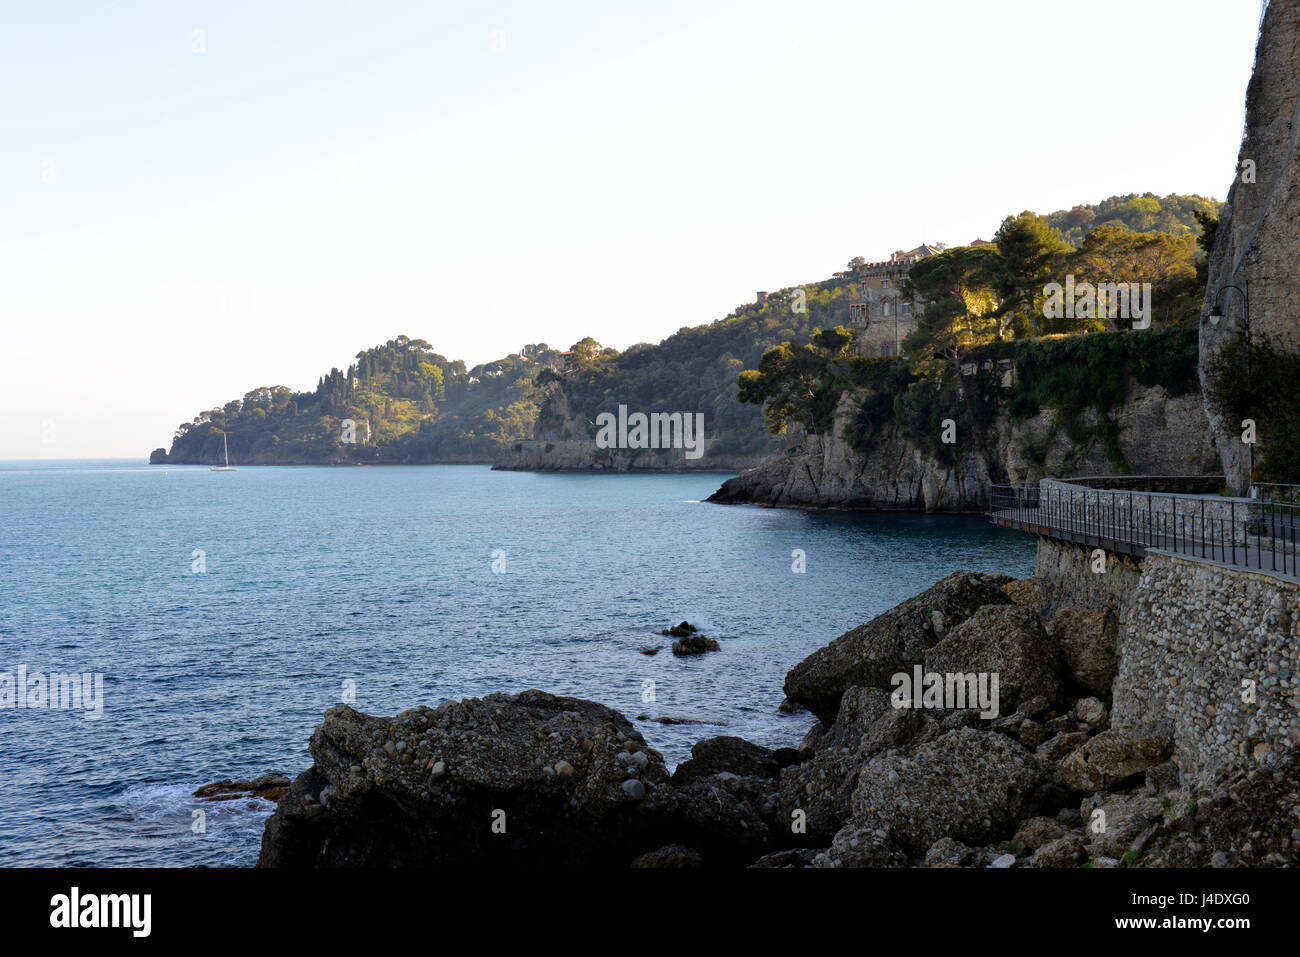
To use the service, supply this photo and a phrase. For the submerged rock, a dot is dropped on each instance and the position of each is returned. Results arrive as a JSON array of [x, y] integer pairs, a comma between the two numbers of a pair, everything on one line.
[[270, 787]]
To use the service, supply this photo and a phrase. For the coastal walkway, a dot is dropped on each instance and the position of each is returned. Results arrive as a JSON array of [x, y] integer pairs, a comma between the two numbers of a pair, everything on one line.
[[1181, 515]]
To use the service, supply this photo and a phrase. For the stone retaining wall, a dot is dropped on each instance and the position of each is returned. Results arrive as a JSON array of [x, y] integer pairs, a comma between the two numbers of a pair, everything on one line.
[[1208, 654]]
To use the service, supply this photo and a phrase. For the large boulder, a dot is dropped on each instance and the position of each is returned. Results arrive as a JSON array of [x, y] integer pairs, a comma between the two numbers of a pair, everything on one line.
[[894, 641], [861, 847], [972, 786], [1036, 594], [1089, 639], [1006, 640], [867, 724], [728, 818], [1109, 759], [727, 753], [1115, 821], [531, 779]]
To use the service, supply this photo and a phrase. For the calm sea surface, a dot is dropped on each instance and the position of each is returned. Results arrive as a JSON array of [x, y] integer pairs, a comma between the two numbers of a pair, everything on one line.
[[314, 577]]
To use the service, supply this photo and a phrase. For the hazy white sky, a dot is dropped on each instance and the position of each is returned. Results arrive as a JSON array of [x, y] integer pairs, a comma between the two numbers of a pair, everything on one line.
[[185, 216]]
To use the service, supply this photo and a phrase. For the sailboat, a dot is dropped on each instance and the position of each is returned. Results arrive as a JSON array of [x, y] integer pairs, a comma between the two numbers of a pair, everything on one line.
[[227, 467]]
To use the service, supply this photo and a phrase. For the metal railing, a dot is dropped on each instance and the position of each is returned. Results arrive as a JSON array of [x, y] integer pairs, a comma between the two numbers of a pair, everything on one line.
[[1273, 492], [1258, 534]]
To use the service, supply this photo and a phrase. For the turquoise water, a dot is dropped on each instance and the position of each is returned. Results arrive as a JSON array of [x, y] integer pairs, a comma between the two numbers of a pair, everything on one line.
[[383, 577]]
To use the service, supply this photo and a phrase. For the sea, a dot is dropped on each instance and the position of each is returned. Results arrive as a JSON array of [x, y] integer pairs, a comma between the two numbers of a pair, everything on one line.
[[225, 611]]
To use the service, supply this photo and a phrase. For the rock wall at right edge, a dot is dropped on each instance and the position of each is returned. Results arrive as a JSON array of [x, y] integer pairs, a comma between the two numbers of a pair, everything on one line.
[[1259, 230], [1209, 655]]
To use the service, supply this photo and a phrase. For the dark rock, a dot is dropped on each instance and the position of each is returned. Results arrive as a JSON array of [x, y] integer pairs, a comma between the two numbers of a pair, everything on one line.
[[1249, 817], [694, 645], [1035, 832], [861, 847], [465, 769], [1006, 640], [1032, 593], [684, 630], [1058, 747], [1089, 639], [968, 785], [158, 457], [672, 856], [270, 787], [792, 857], [785, 757], [872, 653], [946, 852], [1065, 851], [726, 753], [1125, 816], [729, 818], [1108, 759], [1162, 777]]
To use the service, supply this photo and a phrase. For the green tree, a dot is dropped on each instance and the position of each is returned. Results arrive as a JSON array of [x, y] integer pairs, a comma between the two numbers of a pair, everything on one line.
[[800, 384], [1031, 253], [958, 303]]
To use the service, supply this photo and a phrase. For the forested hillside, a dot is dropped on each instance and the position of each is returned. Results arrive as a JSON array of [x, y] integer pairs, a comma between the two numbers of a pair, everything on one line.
[[402, 402], [1147, 213]]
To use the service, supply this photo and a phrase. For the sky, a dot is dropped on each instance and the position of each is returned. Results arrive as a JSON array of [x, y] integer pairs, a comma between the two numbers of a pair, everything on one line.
[[197, 199]]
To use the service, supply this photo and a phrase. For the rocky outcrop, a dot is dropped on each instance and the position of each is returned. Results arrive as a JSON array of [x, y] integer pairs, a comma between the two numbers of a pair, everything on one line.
[[526, 780], [533, 780], [893, 642], [1158, 434], [1259, 227]]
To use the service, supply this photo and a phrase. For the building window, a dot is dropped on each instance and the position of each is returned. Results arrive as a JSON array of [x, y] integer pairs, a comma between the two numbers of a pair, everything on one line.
[[884, 308], [884, 284]]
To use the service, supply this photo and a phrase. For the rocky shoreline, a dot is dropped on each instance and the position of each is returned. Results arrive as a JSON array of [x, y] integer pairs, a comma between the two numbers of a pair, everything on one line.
[[538, 780]]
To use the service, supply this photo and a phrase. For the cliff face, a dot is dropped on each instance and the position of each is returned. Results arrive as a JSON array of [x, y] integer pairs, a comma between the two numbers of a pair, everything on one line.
[[1158, 434], [1259, 229]]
